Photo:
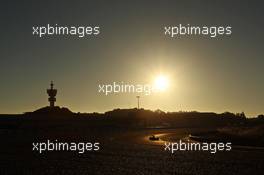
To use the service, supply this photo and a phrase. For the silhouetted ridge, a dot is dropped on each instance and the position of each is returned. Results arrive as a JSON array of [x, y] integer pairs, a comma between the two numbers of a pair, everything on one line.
[[140, 118], [50, 112], [53, 110]]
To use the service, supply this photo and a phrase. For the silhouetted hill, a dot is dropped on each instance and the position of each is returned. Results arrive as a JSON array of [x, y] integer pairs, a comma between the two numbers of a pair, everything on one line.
[[147, 118], [53, 110], [136, 118], [50, 112]]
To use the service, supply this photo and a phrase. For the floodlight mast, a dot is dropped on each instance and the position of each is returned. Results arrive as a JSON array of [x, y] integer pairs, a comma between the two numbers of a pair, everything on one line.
[[138, 101]]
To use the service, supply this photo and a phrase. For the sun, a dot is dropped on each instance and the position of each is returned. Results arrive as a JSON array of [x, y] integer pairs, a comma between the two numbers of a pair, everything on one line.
[[161, 83]]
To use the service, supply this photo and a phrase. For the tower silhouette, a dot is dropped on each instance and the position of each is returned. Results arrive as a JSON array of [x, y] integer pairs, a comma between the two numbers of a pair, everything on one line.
[[52, 94]]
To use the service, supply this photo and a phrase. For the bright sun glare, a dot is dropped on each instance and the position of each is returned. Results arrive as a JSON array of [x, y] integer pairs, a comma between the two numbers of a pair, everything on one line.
[[161, 82]]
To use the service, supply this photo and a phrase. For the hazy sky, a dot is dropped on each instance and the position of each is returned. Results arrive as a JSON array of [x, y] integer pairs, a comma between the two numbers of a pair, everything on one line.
[[206, 74]]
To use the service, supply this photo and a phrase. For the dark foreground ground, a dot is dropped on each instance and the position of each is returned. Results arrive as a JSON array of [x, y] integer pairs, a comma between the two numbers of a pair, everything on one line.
[[122, 151]]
